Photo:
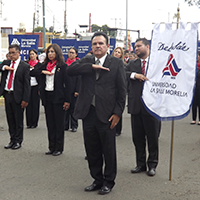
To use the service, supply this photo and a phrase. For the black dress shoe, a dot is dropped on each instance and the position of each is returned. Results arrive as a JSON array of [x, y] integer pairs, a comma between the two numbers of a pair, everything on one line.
[[74, 129], [29, 127], [104, 190], [16, 146], [86, 158], [56, 153], [34, 126], [151, 172], [138, 169], [49, 152], [8, 146], [92, 187]]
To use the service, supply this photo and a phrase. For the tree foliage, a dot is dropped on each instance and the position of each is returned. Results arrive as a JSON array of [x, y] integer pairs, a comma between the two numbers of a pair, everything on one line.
[[39, 29], [193, 2], [105, 28]]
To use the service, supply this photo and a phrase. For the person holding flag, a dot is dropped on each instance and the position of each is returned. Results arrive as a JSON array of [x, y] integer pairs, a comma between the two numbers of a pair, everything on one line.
[[144, 126]]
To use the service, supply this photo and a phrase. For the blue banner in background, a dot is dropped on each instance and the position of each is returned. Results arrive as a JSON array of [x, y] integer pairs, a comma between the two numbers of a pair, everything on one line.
[[83, 48], [65, 45], [112, 45], [26, 43]]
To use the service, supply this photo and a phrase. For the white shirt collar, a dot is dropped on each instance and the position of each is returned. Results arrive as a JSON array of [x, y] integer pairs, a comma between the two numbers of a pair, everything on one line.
[[102, 59]]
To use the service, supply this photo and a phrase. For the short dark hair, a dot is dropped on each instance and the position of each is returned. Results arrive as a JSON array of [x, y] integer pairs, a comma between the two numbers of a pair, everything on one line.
[[17, 47], [99, 33], [144, 41]]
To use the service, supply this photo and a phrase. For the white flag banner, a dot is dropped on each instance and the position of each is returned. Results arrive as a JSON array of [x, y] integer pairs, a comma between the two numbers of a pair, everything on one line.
[[171, 71]]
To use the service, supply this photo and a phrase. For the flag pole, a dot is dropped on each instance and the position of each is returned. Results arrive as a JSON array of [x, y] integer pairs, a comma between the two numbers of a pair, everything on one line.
[[171, 151], [172, 129]]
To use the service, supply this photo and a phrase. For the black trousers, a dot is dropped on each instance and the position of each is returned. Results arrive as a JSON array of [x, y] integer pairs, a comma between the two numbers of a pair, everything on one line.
[[14, 115], [196, 104], [145, 127], [70, 121], [100, 148], [119, 126], [55, 123], [33, 108]]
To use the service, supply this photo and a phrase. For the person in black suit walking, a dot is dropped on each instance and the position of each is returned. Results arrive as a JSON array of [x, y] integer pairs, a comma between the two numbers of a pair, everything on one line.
[[15, 87], [100, 105], [54, 88], [144, 126]]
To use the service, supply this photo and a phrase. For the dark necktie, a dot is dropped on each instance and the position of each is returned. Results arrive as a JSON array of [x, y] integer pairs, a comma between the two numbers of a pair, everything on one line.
[[97, 70], [11, 77], [143, 67]]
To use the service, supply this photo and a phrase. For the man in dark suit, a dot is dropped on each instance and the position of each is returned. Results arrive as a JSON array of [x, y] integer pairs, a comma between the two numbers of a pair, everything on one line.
[[100, 104], [15, 87], [144, 126]]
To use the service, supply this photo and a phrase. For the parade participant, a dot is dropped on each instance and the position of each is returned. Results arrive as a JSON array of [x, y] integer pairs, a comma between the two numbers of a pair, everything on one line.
[[100, 105], [15, 87], [33, 108], [54, 90]]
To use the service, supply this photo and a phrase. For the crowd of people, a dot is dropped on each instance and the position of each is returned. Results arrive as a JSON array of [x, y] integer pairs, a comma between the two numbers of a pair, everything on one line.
[[92, 89]]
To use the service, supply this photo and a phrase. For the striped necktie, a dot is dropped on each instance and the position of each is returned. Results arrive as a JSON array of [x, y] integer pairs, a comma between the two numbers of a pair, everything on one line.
[[143, 66]]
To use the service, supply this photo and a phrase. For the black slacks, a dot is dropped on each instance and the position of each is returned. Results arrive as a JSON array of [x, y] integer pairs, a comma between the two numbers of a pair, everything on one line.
[[119, 126], [100, 148], [14, 115], [145, 127], [33, 108], [70, 121], [196, 104], [55, 123]]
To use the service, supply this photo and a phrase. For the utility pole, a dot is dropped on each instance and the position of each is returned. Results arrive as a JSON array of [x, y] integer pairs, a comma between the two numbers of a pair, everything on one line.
[[44, 29], [33, 23], [65, 19], [126, 24], [1, 8]]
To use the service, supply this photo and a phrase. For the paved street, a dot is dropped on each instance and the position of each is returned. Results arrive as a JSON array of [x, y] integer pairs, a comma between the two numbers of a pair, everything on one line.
[[29, 174]]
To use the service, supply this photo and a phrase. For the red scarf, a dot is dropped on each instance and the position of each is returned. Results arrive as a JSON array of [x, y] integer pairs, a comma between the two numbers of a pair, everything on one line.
[[69, 62], [32, 63], [50, 65], [198, 65]]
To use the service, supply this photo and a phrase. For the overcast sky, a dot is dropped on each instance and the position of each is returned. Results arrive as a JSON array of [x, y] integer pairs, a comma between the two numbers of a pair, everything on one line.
[[141, 13]]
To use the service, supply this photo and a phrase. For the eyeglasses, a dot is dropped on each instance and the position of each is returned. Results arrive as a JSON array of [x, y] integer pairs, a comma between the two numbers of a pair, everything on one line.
[[12, 53], [71, 52]]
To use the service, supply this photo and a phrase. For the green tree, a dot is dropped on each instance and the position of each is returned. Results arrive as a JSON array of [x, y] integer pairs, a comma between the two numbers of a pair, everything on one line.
[[105, 28], [193, 2], [39, 29], [95, 28]]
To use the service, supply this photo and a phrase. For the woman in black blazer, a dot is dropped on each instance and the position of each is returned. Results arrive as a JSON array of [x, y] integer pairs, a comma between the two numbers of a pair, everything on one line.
[[54, 90], [33, 108]]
